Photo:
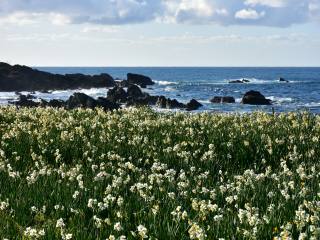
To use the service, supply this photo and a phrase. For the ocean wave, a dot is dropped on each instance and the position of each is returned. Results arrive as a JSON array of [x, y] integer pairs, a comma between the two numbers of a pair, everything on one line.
[[280, 99], [170, 89], [254, 80], [165, 82]]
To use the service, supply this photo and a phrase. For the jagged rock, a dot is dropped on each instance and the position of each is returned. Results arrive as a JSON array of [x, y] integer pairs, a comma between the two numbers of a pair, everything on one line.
[[140, 80], [193, 105], [106, 104], [240, 81], [25, 102], [134, 92], [168, 103], [117, 94], [255, 98], [226, 99], [81, 100], [283, 80], [56, 103], [23, 78], [161, 102]]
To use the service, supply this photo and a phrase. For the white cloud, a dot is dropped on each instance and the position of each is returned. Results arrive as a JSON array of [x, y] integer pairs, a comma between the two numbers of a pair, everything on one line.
[[268, 3], [279, 13], [249, 14]]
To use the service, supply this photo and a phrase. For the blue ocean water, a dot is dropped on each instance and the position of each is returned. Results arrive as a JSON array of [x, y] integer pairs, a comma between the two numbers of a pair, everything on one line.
[[203, 83]]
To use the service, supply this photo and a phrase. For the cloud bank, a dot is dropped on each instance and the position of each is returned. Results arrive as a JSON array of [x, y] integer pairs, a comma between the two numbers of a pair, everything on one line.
[[278, 13]]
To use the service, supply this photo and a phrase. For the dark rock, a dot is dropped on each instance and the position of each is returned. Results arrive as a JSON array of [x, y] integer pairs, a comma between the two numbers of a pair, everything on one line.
[[240, 81], [56, 103], [168, 103], [226, 99], [106, 104], [81, 100], [29, 96], [122, 84], [161, 102], [193, 105], [25, 102], [255, 98], [23, 78], [134, 92], [117, 94], [283, 80], [140, 80]]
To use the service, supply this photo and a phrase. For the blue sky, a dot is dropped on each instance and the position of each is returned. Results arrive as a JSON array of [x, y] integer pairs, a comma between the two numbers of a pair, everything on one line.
[[160, 32]]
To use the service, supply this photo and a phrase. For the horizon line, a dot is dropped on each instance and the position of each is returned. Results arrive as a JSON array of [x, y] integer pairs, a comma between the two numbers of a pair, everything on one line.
[[159, 66]]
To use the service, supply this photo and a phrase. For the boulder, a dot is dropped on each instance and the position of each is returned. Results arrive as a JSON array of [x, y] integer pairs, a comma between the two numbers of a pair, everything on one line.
[[161, 102], [240, 81], [134, 92], [117, 95], [80, 100], [193, 105], [283, 80], [140, 80], [106, 104], [25, 102], [255, 98], [56, 103], [168, 103], [23, 78], [226, 99]]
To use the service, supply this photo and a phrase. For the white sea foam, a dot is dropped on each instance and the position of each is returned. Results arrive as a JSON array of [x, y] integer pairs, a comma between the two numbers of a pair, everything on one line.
[[164, 82], [280, 99], [169, 89]]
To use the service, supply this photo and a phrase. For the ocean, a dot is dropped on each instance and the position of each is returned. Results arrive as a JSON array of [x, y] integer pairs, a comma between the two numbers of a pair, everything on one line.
[[203, 83]]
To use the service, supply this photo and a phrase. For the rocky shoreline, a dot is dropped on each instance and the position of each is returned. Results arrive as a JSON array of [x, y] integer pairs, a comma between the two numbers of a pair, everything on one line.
[[121, 92]]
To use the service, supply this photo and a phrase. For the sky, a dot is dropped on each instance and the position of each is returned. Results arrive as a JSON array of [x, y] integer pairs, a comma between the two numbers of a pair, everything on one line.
[[160, 32]]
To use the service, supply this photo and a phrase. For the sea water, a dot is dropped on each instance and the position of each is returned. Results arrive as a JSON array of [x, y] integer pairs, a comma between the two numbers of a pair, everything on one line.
[[302, 92]]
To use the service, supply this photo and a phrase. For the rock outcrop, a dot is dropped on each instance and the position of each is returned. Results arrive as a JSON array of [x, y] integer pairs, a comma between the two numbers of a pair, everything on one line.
[[226, 99], [255, 98], [193, 105], [140, 80], [23, 78]]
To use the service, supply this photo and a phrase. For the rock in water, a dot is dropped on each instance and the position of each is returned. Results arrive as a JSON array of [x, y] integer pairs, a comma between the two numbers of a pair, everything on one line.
[[117, 95], [255, 98], [226, 99], [81, 100], [134, 92], [22, 78], [283, 80], [140, 80], [193, 105]]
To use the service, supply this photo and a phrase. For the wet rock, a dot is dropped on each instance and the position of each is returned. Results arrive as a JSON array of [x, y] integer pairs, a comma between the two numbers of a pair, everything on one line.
[[117, 95], [255, 98], [226, 99], [240, 81], [193, 105], [283, 80], [56, 103], [140, 80], [135, 92], [81, 100], [25, 102], [168, 103], [23, 78]]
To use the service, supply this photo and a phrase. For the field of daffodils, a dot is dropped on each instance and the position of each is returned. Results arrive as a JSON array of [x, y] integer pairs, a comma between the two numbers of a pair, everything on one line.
[[139, 174]]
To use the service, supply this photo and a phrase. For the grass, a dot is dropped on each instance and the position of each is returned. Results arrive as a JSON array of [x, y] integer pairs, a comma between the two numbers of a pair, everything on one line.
[[135, 174]]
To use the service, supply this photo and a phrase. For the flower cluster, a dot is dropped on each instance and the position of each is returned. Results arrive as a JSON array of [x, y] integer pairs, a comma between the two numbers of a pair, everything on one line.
[[139, 174]]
